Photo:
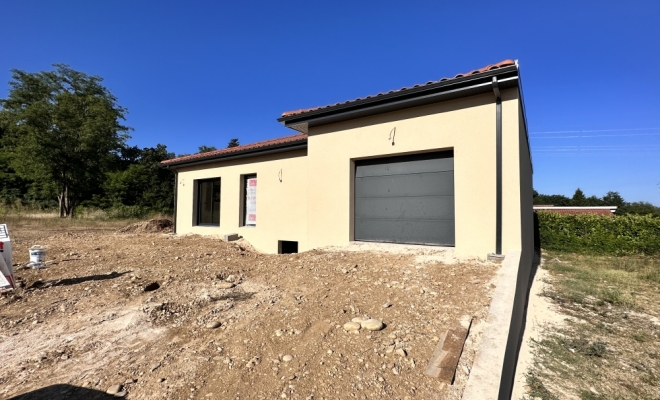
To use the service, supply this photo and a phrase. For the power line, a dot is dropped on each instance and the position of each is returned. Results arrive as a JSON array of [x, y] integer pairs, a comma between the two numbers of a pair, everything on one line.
[[615, 147], [595, 136], [598, 152], [593, 155], [595, 148], [596, 130]]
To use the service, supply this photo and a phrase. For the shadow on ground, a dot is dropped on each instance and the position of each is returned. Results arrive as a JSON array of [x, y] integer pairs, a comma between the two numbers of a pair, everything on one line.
[[74, 281], [62, 392]]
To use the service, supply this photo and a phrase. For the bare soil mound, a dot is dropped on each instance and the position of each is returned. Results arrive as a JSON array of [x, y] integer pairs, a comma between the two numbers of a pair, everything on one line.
[[153, 225], [191, 317]]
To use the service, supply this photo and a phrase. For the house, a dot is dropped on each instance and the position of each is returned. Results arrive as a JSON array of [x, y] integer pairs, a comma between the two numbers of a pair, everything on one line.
[[606, 211], [443, 163]]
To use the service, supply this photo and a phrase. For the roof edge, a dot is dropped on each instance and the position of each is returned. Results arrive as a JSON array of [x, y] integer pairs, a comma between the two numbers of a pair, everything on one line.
[[420, 90], [252, 151]]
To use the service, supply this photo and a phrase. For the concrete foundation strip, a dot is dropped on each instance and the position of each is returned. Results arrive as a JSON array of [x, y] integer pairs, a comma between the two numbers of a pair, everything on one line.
[[488, 366]]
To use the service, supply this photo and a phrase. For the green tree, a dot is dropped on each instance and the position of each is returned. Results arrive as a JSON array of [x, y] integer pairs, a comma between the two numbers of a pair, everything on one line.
[[579, 199], [64, 129], [233, 143], [12, 186], [640, 208], [613, 199], [206, 149], [593, 201], [552, 200], [143, 183]]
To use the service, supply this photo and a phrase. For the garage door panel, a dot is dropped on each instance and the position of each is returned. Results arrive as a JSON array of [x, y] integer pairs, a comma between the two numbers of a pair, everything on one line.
[[408, 166], [405, 199], [427, 207], [422, 184], [406, 231]]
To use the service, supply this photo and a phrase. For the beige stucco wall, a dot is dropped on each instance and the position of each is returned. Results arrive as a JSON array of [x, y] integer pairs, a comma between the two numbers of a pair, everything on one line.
[[314, 203], [465, 125], [281, 206]]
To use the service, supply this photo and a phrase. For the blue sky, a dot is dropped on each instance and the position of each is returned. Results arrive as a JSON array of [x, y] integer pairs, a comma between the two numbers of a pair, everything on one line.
[[202, 72]]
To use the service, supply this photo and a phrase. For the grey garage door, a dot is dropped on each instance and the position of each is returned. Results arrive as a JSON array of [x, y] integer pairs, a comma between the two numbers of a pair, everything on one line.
[[406, 199]]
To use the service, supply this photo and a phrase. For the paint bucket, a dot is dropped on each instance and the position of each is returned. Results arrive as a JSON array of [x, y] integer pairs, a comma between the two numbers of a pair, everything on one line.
[[37, 256]]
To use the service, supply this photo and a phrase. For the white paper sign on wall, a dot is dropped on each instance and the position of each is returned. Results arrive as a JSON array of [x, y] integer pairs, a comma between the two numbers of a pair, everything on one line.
[[251, 202]]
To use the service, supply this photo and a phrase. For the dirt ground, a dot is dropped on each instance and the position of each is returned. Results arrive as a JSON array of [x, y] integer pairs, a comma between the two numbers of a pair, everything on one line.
[[86, 323]]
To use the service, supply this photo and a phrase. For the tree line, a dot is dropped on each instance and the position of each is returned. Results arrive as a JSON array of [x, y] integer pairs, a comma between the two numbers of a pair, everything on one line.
[[609, 199], [63, 146]]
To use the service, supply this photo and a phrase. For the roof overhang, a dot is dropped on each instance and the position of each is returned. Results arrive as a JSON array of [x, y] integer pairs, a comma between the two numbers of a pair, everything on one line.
[[260, 151], [507, 77]]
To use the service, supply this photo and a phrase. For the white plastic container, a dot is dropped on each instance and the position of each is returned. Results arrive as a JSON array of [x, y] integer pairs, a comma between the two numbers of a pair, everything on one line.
[[37, 256]]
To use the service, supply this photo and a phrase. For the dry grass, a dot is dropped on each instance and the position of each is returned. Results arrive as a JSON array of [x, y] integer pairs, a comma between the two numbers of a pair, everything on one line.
[[609, 348], [94, 220], [53, 223]]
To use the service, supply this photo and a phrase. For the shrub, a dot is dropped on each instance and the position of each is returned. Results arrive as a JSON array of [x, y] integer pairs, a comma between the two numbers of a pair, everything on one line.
[[593, 234]]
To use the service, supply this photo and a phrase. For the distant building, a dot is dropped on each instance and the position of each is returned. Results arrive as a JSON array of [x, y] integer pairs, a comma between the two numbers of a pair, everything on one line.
[[607, 211]]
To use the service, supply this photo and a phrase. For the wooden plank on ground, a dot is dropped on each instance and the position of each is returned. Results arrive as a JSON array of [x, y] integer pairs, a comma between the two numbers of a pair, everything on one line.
[[447, 353]]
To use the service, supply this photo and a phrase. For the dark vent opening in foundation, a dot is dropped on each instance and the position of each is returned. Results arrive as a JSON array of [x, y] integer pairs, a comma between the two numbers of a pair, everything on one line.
[[287, 247]]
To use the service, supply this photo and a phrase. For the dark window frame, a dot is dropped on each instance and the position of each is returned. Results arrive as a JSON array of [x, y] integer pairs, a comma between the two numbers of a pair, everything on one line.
[[198, 192]]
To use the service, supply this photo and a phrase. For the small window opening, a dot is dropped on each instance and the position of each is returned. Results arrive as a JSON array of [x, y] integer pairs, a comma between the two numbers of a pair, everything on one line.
[[287, 247], [249, 194]]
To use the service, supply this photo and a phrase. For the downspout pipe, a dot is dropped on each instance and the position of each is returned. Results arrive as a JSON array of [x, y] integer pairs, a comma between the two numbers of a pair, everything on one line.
[[498, 167]]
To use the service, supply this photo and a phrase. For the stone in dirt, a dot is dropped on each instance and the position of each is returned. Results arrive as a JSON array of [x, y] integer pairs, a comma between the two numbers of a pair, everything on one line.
[[444, 360], [121, 394], [114, 389], [287, 358], [213, 325], [151, 286], [352, 326], [224, 285], [373, 325], [360, 320]]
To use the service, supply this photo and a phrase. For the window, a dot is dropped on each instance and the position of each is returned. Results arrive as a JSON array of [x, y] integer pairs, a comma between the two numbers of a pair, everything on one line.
[[249, 190], [208, 202]]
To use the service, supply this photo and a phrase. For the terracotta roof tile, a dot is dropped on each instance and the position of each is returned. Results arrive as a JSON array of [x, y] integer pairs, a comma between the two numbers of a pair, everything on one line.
[[487, 68], [266, 143]]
